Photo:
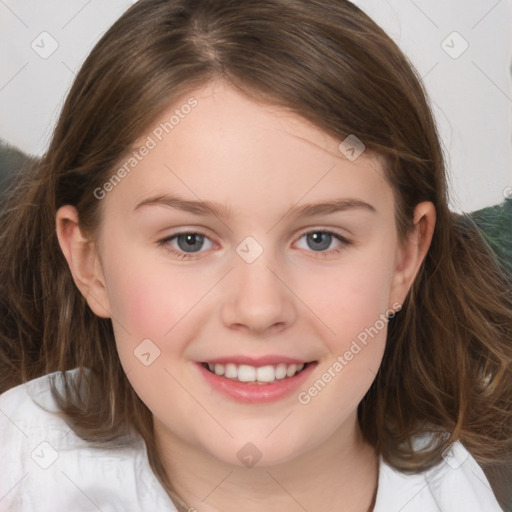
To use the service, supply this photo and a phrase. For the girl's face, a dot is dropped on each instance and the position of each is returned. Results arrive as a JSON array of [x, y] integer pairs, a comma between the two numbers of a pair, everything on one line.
[[242, 235]]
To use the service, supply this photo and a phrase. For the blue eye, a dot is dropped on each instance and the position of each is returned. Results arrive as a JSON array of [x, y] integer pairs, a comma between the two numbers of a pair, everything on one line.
[[319, 241], [193, 241], [184, 245], [186, 241]]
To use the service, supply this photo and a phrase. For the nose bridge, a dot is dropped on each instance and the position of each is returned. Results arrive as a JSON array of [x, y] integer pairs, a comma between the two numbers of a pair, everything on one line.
[[259, 298]]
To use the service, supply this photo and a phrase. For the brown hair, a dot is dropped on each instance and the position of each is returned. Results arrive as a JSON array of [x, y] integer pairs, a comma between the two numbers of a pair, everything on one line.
[[447, 363]]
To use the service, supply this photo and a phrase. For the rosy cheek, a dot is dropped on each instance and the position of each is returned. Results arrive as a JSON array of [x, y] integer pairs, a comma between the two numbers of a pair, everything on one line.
[[130, 300], [140, 311], [355, 307], [152, 300]]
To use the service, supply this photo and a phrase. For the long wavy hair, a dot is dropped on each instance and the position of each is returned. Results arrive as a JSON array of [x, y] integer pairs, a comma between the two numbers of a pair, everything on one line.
[[447, 363]]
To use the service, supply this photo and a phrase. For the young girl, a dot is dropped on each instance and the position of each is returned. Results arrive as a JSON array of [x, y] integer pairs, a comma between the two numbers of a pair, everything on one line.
[[233, 281]]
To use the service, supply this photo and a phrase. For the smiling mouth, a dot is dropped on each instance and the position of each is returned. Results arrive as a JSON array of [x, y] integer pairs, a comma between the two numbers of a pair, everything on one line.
[[267, 374]]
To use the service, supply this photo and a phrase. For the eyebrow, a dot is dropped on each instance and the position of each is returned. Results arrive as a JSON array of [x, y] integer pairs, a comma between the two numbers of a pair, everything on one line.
[[205, 208]]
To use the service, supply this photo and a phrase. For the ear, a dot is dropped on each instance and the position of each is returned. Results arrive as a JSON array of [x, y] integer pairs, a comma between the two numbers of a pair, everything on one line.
[[412, 252], [83, 260]]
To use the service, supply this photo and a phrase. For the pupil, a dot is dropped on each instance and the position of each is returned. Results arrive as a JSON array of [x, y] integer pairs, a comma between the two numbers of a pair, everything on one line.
[[190, 240], [320, 240]]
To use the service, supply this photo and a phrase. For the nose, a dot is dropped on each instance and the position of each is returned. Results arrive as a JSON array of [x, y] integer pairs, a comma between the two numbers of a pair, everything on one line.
[[258, 297]]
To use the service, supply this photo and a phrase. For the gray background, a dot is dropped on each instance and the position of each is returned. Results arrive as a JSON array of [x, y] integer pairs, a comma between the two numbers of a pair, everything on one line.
[[470, 91]]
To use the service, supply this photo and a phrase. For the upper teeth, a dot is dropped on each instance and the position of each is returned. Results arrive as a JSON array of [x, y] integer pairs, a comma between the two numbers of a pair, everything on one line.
[[246, 373]]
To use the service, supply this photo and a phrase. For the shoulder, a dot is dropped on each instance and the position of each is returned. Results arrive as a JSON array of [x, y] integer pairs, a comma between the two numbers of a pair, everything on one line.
[[29, 409], [457, 483], [46, 466]]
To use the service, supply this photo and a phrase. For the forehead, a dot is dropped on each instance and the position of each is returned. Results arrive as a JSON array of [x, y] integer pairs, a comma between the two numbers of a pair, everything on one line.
[[216, 143]]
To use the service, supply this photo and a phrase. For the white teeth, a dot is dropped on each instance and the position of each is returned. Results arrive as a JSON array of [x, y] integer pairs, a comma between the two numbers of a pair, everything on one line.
[[291, 370], [231, 371], [246, 373], [265, 374], [281, 371]]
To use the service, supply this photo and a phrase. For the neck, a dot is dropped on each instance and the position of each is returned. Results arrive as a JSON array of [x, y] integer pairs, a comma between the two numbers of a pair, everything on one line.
[[341, 474]]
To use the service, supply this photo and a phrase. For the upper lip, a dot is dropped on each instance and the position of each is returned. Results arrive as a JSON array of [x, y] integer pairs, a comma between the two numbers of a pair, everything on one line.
[[256, 361]]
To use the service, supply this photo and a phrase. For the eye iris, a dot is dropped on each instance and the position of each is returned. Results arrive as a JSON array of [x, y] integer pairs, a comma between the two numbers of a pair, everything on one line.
[[190, 239], [319, 239]]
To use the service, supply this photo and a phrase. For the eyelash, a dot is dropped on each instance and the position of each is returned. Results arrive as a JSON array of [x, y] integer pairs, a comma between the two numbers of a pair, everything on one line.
[[165, 242]]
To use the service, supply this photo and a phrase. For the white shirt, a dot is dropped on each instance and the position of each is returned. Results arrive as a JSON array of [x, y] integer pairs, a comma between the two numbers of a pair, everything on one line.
[[45, 466]]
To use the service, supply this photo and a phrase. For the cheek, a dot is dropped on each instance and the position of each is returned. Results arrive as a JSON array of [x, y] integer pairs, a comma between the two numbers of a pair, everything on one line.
[[355, 310], [354, 296], [154, 301], [353, 306], [150, 297]]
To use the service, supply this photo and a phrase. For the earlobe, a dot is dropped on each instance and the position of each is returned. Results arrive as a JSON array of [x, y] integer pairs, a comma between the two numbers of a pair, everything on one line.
[[411, 254], [83, 261]]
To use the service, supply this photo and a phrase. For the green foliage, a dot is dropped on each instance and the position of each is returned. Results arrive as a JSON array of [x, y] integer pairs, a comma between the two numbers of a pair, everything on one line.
[[496, 224], [12, 160]]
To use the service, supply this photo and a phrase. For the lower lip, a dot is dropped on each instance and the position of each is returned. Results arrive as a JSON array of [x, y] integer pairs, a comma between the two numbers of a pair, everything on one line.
[[250, 392]]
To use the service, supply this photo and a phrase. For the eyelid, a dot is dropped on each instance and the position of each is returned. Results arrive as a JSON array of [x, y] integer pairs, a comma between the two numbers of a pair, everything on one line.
[[164, 242], [344, 241], [344, 234]]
